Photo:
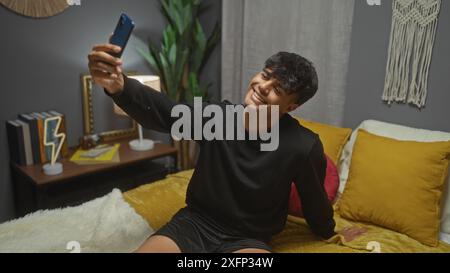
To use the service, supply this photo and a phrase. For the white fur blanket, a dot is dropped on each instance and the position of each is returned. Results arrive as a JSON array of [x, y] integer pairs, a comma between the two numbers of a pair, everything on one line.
[[106, 224]]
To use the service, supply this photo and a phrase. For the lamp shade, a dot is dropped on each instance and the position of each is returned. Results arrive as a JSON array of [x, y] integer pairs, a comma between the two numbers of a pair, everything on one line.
[[149, 80]]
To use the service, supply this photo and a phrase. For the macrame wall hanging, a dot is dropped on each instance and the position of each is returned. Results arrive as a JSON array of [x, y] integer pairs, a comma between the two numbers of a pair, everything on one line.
[[413, 32]]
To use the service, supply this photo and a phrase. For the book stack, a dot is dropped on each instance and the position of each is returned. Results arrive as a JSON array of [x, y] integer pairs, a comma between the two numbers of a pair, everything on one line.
[[102, 154], [26, 138]]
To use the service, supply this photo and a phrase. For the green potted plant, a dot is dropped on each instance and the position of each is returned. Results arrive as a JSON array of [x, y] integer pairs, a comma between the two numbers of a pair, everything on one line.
[[183, 52]]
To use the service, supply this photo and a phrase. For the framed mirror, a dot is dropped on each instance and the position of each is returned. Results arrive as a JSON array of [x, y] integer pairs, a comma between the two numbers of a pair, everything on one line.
[[99, 116]]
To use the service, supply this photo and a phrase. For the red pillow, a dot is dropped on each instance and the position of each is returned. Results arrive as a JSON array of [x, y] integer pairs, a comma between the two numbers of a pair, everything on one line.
[[331, 187]]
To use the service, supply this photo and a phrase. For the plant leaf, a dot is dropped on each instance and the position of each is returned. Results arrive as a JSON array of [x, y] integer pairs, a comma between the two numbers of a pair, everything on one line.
[[149, 58], [173, 54], [168, 76]]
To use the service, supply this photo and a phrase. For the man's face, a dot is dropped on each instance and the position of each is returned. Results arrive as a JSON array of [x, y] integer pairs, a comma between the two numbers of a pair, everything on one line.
[[265, 90]]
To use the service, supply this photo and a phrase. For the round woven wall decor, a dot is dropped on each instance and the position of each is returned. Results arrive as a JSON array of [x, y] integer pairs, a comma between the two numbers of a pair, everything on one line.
[[36, 8]]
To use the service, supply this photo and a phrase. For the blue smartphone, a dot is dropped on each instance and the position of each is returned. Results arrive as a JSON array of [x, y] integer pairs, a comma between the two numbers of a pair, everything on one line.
[[122, 33]]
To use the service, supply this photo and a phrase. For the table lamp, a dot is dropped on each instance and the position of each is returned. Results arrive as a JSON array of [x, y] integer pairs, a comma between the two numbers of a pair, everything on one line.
[[141, 144]]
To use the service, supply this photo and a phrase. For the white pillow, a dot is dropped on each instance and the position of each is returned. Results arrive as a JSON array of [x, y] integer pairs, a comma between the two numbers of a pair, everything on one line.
[[397, 132]]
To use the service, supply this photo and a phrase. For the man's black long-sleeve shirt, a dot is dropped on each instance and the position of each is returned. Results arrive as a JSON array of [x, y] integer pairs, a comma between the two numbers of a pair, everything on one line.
[[236, 184]]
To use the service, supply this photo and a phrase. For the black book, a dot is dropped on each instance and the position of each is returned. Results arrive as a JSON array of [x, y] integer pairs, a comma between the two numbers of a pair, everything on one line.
[[26, 142], [34, 133], [16, 145]]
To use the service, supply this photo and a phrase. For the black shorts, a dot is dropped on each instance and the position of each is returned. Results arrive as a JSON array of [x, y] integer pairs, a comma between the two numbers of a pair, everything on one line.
[[194, 233]]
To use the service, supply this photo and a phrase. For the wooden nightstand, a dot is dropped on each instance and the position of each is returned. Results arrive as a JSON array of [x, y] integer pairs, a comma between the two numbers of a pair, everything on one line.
[[80, 183]]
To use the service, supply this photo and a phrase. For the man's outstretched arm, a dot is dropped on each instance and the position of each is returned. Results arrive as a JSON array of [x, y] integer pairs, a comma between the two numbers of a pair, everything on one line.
[[148, 107], [317, 209]]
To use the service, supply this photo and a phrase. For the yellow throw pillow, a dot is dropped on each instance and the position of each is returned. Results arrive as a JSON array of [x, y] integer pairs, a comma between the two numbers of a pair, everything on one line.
[[397, 185], [333, 138]]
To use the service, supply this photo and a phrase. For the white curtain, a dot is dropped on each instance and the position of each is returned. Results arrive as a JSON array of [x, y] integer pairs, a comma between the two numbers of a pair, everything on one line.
[[319, 30]]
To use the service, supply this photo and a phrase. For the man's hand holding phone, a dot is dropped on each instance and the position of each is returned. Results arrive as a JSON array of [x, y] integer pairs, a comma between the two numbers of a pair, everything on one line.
[[105, 69], [105, 64]]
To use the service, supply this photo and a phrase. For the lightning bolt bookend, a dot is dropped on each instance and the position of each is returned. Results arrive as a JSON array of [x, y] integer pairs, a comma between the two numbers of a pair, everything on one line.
[[55, 141]]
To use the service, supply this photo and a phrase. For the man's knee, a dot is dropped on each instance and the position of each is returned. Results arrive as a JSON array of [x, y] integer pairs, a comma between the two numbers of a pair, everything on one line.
[[159, 244]]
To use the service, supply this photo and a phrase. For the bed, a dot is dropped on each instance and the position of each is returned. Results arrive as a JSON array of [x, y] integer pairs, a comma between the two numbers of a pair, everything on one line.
[[159, 201], [418, 222], [121, 222]]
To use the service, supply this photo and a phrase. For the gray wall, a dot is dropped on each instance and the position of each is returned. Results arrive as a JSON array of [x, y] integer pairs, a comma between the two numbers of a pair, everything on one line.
[[41, 63], [368, 57]]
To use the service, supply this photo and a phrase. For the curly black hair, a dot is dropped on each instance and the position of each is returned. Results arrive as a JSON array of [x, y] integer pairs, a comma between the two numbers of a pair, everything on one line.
[[294, 74]]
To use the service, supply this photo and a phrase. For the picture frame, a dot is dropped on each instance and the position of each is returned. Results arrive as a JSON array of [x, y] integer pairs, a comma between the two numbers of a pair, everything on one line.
[[88, 115]]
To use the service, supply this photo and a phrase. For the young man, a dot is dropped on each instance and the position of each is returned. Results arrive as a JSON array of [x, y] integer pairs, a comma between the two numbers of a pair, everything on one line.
[[237, 198]]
